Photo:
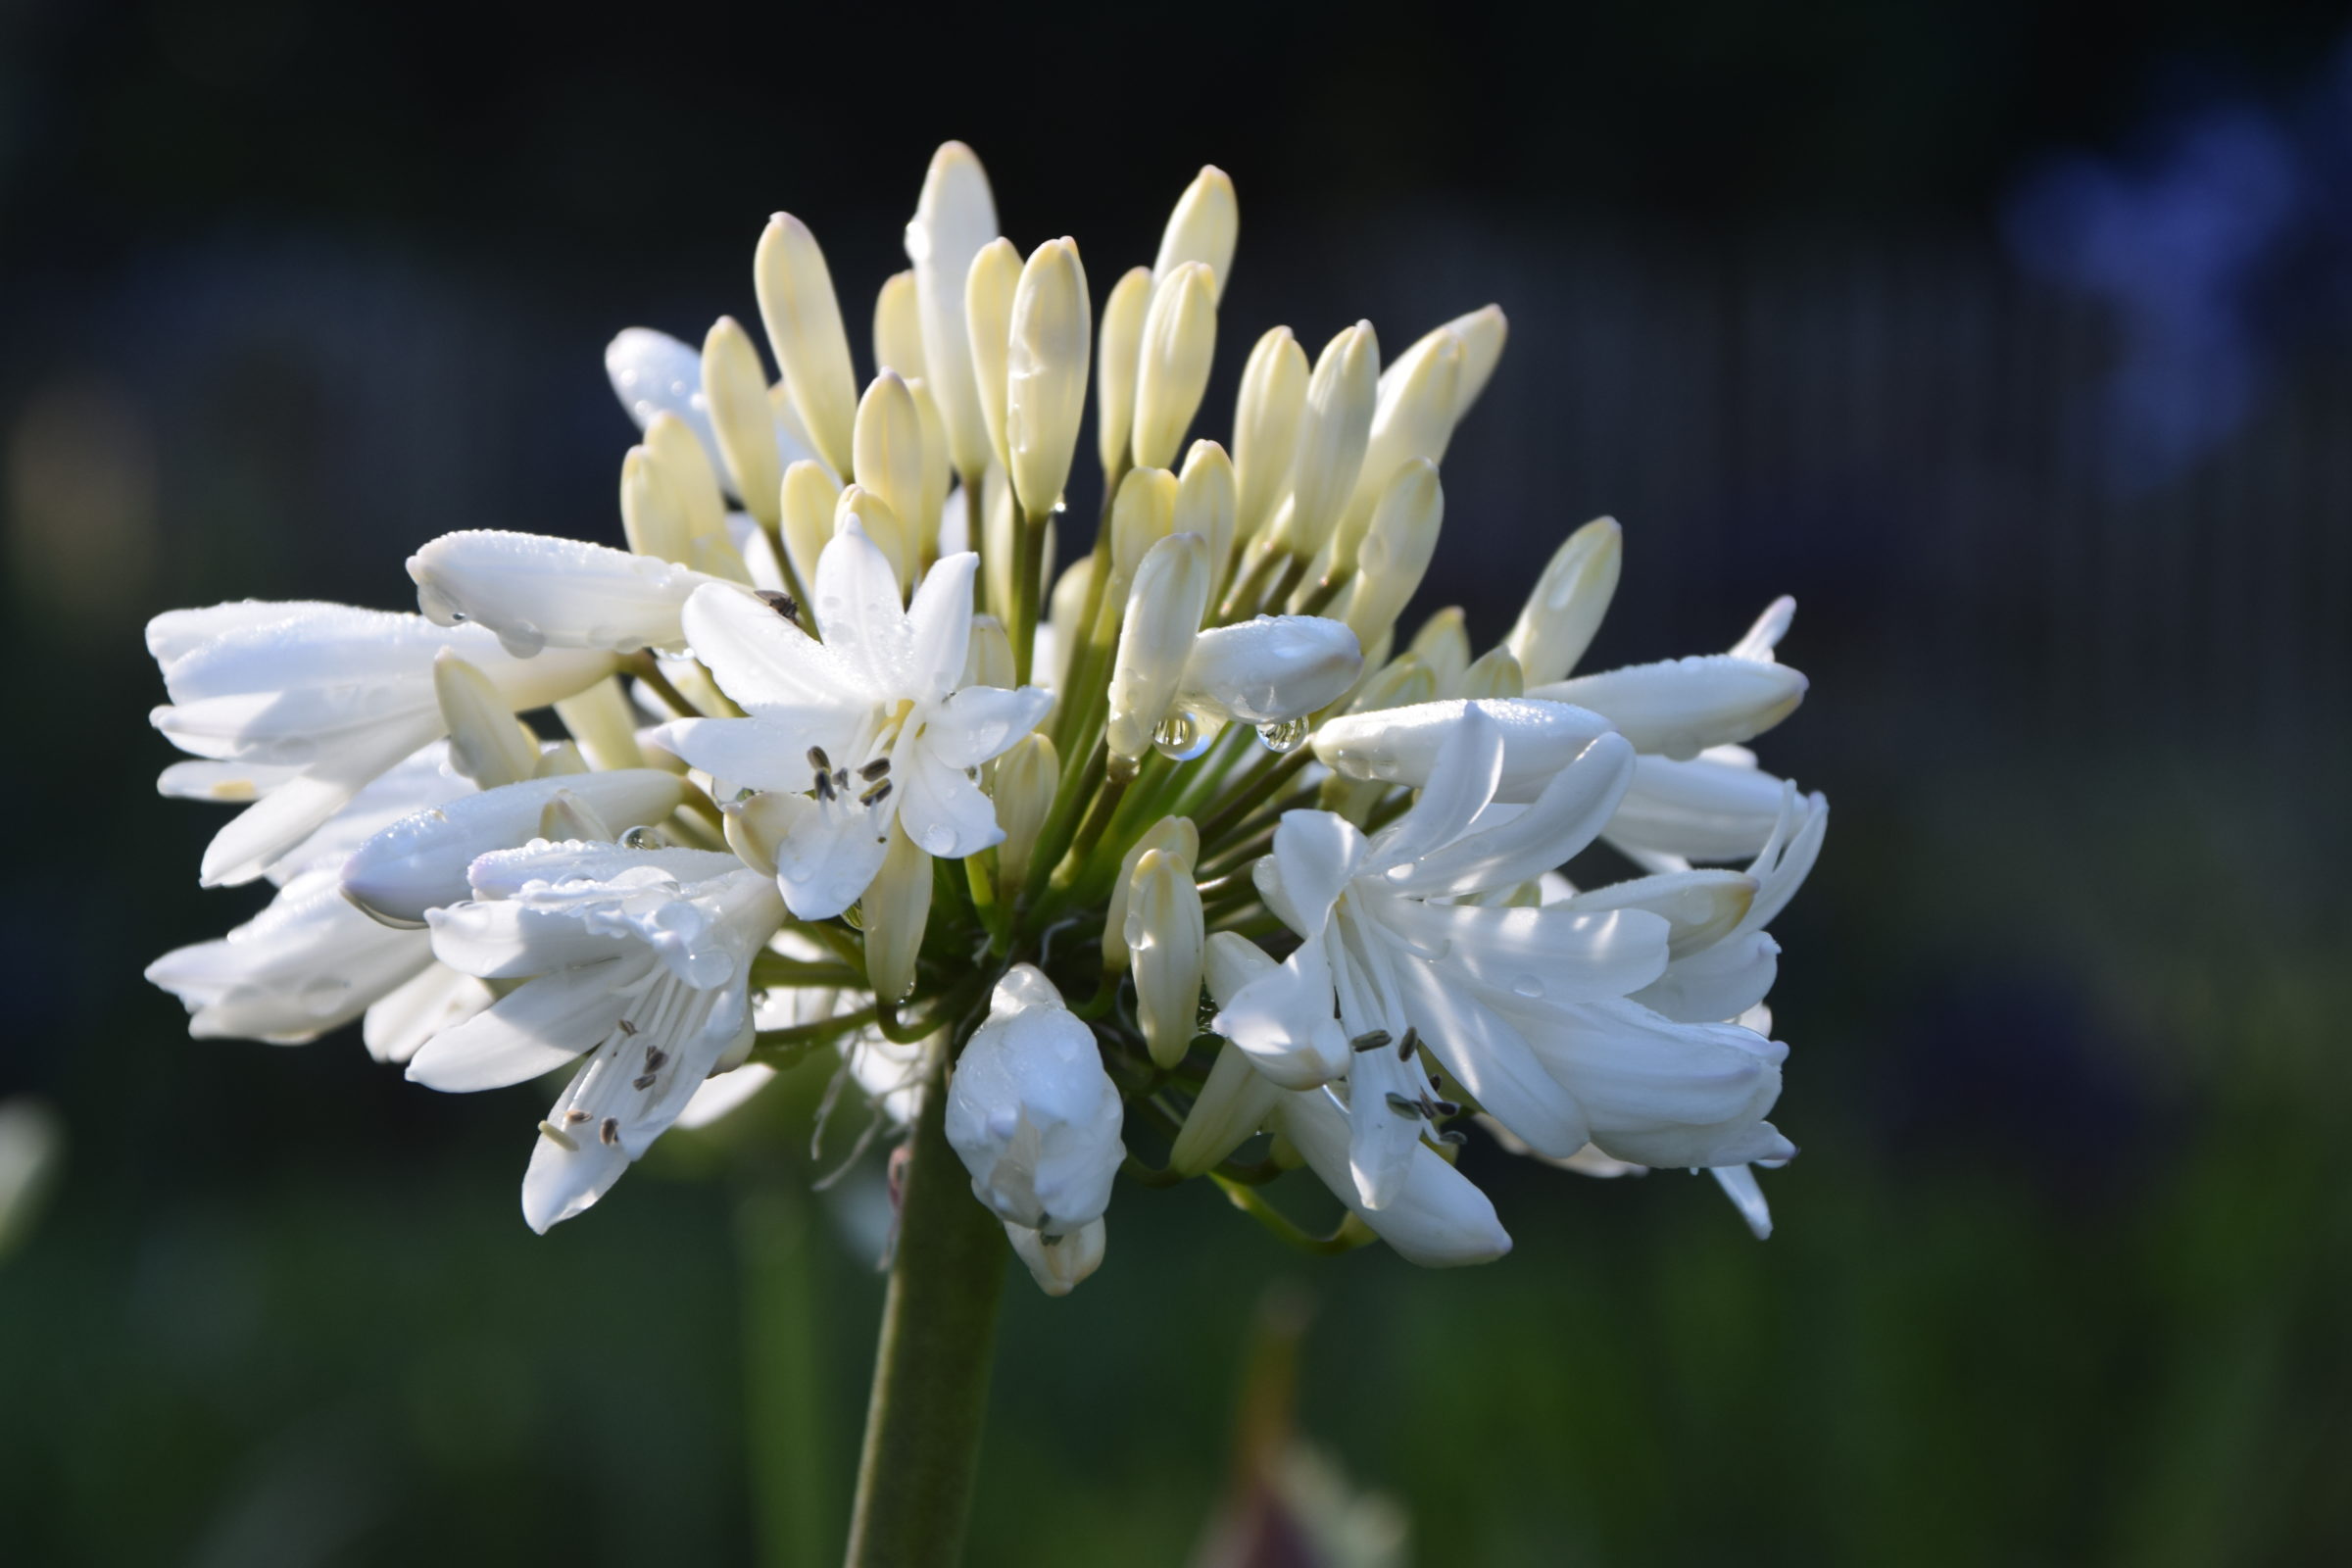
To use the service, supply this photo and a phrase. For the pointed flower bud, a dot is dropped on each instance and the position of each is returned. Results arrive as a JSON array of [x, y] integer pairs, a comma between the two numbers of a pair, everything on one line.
[[806, 333], [1568, 602], [939, 470], [1481, 333], [1443, 644], [1400, 683], [809, 498], [1180, 838], [895, 908], [988, 293], [1026, 779], [883, 526], [1044, 399], [1494, 673], [1164, 608], [1059, 1264], [1206, 505], [486, 743], [1067, 604], [955, 218], [736, 388], [1119, 351], [568, 816], [1165, 937], [1032, 1114], [1332, 433], [1270, 670], [602, 725], [889, 446], [652, 523], [1180, 339], [537, 591], [1412, 419], [1202, 228], [1265, 428], [1398, 541], [1142, 515], [899, 327]]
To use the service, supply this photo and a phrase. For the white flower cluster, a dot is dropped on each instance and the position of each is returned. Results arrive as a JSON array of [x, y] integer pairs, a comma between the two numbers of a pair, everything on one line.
[[837, 655]]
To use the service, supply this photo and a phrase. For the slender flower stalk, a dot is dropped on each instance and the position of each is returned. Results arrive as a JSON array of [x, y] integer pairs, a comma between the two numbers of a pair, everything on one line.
[[1194, 856]]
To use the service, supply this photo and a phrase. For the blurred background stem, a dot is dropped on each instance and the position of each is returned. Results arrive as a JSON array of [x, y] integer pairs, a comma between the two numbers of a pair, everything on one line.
[[791, 1490]]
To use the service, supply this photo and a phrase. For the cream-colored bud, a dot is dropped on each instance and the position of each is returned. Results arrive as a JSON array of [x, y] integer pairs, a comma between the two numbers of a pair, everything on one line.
[[1119, 351], [1230, 1108], [988, 658], [1027, 775], [1413, 417], [653, 523], [566, 815], [1142, 515], [956, 217], [1165, 937], [1494, 673], [939, 468], [1334, 430], [899, 327], [988, 292], [681, 468], [1164, 608], [736, 387], [1265, 428], [809, 498], [1202, 228], [604, 725], [1401, 682], [1443, 644], [999, 538], [1566, 607], [1061, 1262], [893, 911], [889, 446], [1179, 837], [1180, 339], [1067, 604], [1481, 333], [1205, 506], [487, 744], [1045, 398], [560, 759], [882, 525], [1393, 555], [805, 334], [758, 824]]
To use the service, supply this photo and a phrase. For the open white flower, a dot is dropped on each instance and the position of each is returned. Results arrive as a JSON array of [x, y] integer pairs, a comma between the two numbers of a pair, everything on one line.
[[867, 728], [305, 704], [1033, 1114], [638, 958]]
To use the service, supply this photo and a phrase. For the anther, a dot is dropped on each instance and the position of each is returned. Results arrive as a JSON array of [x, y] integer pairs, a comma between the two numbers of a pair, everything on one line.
[[1372, 1040], [1446, 1107], [609, 1130], [781, 602], [1410, 1109], [654, 1057], [824, 786], [1408, 1045], [557, 1136], [645, 1082], [818, 760], [877, 769], [1453, 1136], [875, 796], [575, 1116]]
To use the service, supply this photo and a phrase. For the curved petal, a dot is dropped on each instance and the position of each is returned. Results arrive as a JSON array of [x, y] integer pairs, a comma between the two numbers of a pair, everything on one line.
[[1719, 807], [940, 621], [1547, 955], [1315, 855], [942, 810], [768, 753], [536, 591], [1517, 846], [533, 1029], [763, 661], [857, 609], [1722, 982], [1492, 1059], [1400, 744], [1384, 1124], [1680, 707], [1462, 782], [439, 998], [980, 723], [826, 858], [1439, 1219], [1283, 1019]]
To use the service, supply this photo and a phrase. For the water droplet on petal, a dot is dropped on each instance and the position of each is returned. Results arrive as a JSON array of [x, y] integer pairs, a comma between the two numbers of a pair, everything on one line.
[[522, 639], [1283, 737], [1179, 739], [1527, 985], [640, 837]]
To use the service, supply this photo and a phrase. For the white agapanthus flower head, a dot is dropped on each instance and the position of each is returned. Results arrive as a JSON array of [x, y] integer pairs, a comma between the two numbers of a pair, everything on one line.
[[1185, 856]]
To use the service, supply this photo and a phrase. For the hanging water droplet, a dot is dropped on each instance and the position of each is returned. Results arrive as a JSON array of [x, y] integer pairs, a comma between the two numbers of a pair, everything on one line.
[[640, 837], [1283, 737], [1527, 985], [1178, 738]]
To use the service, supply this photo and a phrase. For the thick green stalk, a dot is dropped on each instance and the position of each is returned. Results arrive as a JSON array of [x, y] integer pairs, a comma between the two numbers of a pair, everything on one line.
[[939, 1320], [792, 1497]]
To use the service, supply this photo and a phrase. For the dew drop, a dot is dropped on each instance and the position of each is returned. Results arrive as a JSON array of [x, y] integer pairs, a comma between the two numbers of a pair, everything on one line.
[[1178, 738], [1283, 737], [640, 837], [1527, 985], [522, 639]]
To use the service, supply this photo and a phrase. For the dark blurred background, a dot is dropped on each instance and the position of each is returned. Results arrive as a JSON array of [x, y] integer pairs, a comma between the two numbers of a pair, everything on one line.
[[2014, 340]]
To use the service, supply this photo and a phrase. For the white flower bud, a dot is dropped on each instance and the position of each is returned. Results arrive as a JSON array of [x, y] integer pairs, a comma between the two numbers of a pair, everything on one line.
[[1206, 505], [1265, 428], [1494, 673], [677, 464], [1180, 339], [1059, 1264], [1027, 776], [899, 327], [889, 451], [954, 217], [1681, 706], [1271, 668], [736, 389], [652, 523], [1481, 333], [1412, 419], [809, 497], [938, 471], [1400, 683], [1032, 1114], [1164, 608], [988, 292], [1142, 515], [1231, 1107], [1398, 541], [882, 525], [1399, 745], [1443, 644], [1164, 936], [1067, 604], [487, 744], [1202, 228], [756, 825], [420, 861], [1179, 837], [1566, 605], [987, 660], [893, 911], [1120, 351], [602, 723], [1045, 398], [536, 591], [1333, 432], [567, 816], [805, 334]]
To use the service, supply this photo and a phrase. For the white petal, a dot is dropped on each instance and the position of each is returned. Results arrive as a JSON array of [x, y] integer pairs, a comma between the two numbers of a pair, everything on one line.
[[1438, 1219], [827, 859], [1699, 908], [265, 831], [764, 662], [767, 753], [1717, 808], [177, 633], [1315, 855], [652, 373], [236, 782], [398, 1026], [940, 619], [309, 963], [857, 609], [1283, 1019], [1740, 1185], [1721, 982], [1551, 953], [1271, 668], [1662, 1093], [1400, 744], [982, 722], [1508, 846], [1059, 1265], [1462, 782], [942, 810], [722, 1095], [1383, 1133], [1681, 706], [1489, 1058], [539, 592], [533, 1029]]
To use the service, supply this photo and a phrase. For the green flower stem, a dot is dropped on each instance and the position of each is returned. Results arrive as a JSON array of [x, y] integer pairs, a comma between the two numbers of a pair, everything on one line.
[[931, 1368], [1028, 551], [792, 1496]]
